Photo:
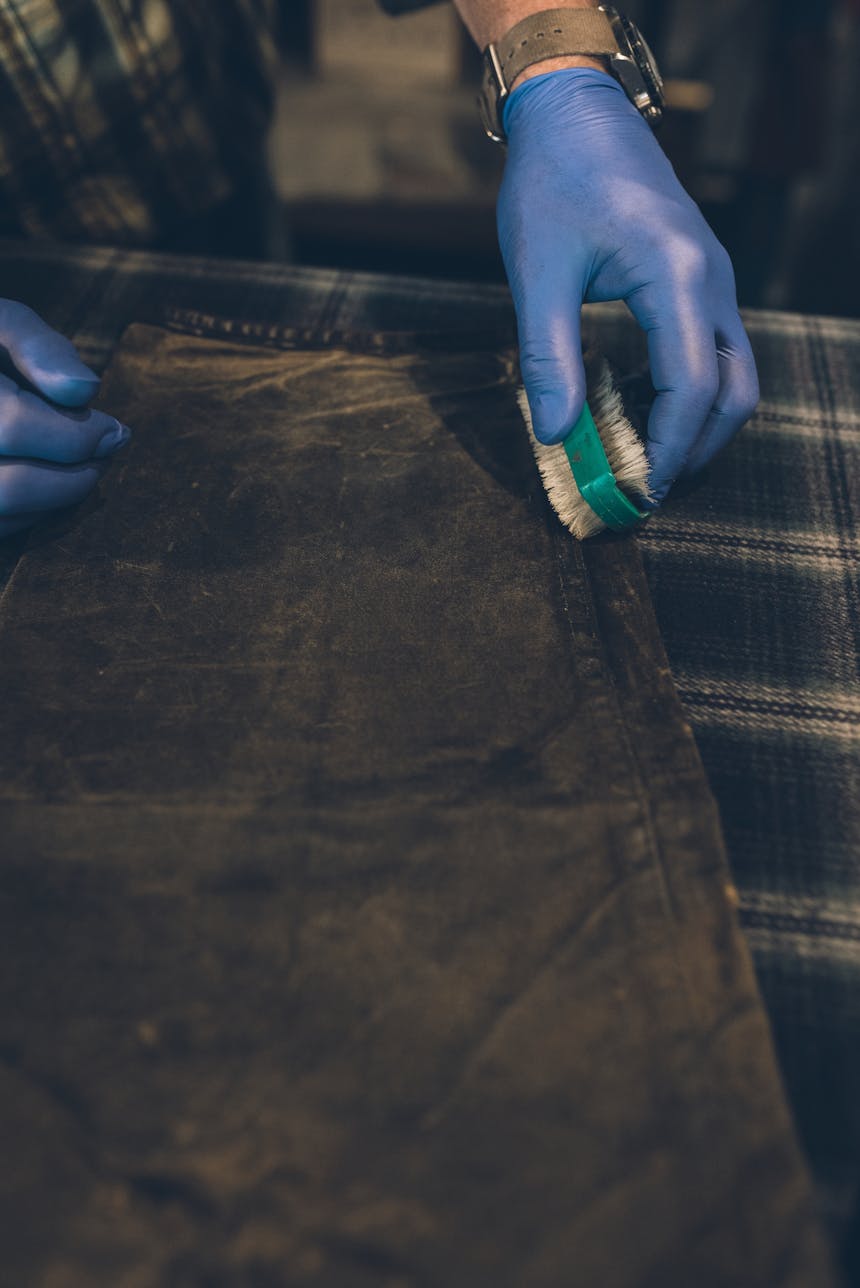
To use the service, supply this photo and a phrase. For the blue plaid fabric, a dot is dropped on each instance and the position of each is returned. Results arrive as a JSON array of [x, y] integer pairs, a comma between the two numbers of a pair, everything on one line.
[[756, 583], [755, 577], [119, 119]]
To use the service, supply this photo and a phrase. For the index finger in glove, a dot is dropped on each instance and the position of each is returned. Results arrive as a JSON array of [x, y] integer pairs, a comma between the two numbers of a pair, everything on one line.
[[46, 358], [684, 371], [548, 325], [31, 427]]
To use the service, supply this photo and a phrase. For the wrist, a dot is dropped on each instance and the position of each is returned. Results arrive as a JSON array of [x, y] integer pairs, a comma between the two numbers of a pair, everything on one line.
[[561, 64], [560, 91], [593, 42], [489, 20]]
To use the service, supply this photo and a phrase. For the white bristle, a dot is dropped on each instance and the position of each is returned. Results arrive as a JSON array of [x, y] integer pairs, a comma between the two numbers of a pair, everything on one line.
[[621, 443]]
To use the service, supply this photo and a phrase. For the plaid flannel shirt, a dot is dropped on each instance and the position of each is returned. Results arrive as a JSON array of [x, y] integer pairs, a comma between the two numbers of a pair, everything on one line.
[[121, 118]]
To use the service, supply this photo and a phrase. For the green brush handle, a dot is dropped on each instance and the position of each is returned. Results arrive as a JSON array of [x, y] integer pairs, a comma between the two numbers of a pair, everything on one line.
[[593, 476]]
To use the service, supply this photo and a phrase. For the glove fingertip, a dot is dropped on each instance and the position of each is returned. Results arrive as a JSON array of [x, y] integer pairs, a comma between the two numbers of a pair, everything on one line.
[[69, 391], [660, 485], [553, 416], [112, 441], [44, 357], [647, 504]]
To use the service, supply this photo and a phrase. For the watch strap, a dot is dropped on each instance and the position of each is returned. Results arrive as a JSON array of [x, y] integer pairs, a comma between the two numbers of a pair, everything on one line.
[[553, 33]]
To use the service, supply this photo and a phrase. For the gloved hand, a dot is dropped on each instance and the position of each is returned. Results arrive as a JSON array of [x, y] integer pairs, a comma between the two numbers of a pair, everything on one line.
[[591, 209], [49, 457]]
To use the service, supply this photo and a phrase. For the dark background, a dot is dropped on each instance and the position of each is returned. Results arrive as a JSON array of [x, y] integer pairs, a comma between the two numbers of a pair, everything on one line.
[[380, 162]]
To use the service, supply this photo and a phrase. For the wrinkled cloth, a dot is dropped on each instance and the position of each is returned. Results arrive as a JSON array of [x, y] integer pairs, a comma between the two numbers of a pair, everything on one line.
[[365, 916]]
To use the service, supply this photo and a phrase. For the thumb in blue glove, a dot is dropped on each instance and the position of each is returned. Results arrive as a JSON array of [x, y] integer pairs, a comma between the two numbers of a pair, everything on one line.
[[51, 456], [590, 209]]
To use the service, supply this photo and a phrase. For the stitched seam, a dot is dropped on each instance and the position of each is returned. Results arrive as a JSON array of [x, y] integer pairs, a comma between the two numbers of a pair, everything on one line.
[[654, 843]]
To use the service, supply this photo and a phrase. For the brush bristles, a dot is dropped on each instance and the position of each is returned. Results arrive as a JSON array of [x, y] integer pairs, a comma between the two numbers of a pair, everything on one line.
[[621, 443]]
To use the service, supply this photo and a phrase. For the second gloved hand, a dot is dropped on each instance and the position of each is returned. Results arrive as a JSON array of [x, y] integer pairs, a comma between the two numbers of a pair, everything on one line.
[[591, 210], [53, 449]]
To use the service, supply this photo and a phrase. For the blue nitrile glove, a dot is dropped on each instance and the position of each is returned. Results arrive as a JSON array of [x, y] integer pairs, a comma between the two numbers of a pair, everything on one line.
[[49, 457], [591, 209]]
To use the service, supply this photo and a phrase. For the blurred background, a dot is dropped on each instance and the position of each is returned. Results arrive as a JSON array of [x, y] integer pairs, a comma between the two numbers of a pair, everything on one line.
[[378, 161]]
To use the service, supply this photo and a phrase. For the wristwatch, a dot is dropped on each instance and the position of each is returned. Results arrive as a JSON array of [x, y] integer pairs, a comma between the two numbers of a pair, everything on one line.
[[557, 32]]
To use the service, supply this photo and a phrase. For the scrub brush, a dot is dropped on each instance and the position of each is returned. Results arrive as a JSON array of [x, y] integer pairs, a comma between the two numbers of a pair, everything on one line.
[[587, 475]]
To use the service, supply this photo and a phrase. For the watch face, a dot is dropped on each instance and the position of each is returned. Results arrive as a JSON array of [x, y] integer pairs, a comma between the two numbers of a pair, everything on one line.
[[647, 62], [636, 67]]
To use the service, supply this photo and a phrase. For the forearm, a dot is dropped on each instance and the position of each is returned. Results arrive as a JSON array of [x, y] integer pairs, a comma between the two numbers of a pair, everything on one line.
[[488, 20]]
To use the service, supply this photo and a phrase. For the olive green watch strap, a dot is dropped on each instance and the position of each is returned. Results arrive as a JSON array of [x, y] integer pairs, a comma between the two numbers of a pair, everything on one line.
[[553, 33]]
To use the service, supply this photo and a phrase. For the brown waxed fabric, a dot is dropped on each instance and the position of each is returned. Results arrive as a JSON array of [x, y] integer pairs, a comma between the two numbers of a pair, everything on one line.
[[365, 917]]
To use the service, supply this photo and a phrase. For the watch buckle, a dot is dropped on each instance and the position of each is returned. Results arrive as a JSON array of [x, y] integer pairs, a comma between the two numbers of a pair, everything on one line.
[[491, 100], [629, 65]]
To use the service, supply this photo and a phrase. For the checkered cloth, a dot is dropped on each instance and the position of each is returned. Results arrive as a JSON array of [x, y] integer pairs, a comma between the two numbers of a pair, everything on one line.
[[755, 583], [119, 120]]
